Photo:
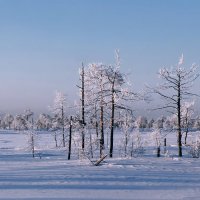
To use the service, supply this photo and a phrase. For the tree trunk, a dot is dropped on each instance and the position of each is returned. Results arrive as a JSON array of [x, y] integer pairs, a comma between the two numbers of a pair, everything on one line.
[[158, 151], [70, 138], [96, 122], [165, 145], [126, 144], [83, 107], [91, 149], [63, 127], [132, 145], [63, 136], [187, 129], [97, 130], [112, 121], [101, 120], [33, 146], [102, 132], [186, 133], [55, 138], [112, 115], [179, 120]]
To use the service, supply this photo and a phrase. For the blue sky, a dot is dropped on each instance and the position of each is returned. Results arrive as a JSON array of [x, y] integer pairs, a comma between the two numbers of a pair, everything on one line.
[[42, 43]]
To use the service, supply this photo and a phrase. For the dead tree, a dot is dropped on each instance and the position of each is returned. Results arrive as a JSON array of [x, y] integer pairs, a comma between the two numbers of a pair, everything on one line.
[[175, 88]]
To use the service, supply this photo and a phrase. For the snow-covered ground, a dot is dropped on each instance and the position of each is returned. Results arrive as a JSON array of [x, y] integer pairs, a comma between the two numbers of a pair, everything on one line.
[[54, 177]]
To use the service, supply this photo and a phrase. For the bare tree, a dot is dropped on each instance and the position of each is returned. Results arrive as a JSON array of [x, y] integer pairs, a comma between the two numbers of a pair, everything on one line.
[[176, 86]]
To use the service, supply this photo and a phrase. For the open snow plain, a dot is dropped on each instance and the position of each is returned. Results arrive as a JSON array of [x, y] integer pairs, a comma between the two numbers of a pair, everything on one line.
[[53, 177]]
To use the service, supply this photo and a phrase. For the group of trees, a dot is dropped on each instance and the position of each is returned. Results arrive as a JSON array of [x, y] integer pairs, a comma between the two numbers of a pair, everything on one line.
[[18, 122], [107, 101], [104, 92], [48, 122]]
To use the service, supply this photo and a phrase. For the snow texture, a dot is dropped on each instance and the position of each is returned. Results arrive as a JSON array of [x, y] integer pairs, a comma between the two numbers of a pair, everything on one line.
[[53, 177]]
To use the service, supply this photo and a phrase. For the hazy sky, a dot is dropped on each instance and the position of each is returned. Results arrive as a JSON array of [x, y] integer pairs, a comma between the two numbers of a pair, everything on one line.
[[43, 42]]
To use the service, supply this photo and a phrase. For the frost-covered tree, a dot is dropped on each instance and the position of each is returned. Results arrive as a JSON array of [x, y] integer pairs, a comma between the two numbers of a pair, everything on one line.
[[116, 92], [91, 103], [176, 86], [137, 148], [197, 123], [28, 114], [106, 91], [150, 123], [127, 127], [8, 119], [168, 123], [157, 136], [187, 112], [195, 148], [160, 122], [20, 123], [59, 109], [141, 122], [44, 121], [101, 98], [55, 127], [32, 139], [96, 96]]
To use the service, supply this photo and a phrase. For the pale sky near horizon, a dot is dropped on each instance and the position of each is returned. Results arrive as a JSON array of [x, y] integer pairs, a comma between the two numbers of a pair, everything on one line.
[[43, 42]]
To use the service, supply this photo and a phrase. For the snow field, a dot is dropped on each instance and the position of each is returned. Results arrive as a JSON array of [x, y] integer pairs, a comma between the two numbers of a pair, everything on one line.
[[54, 177]]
